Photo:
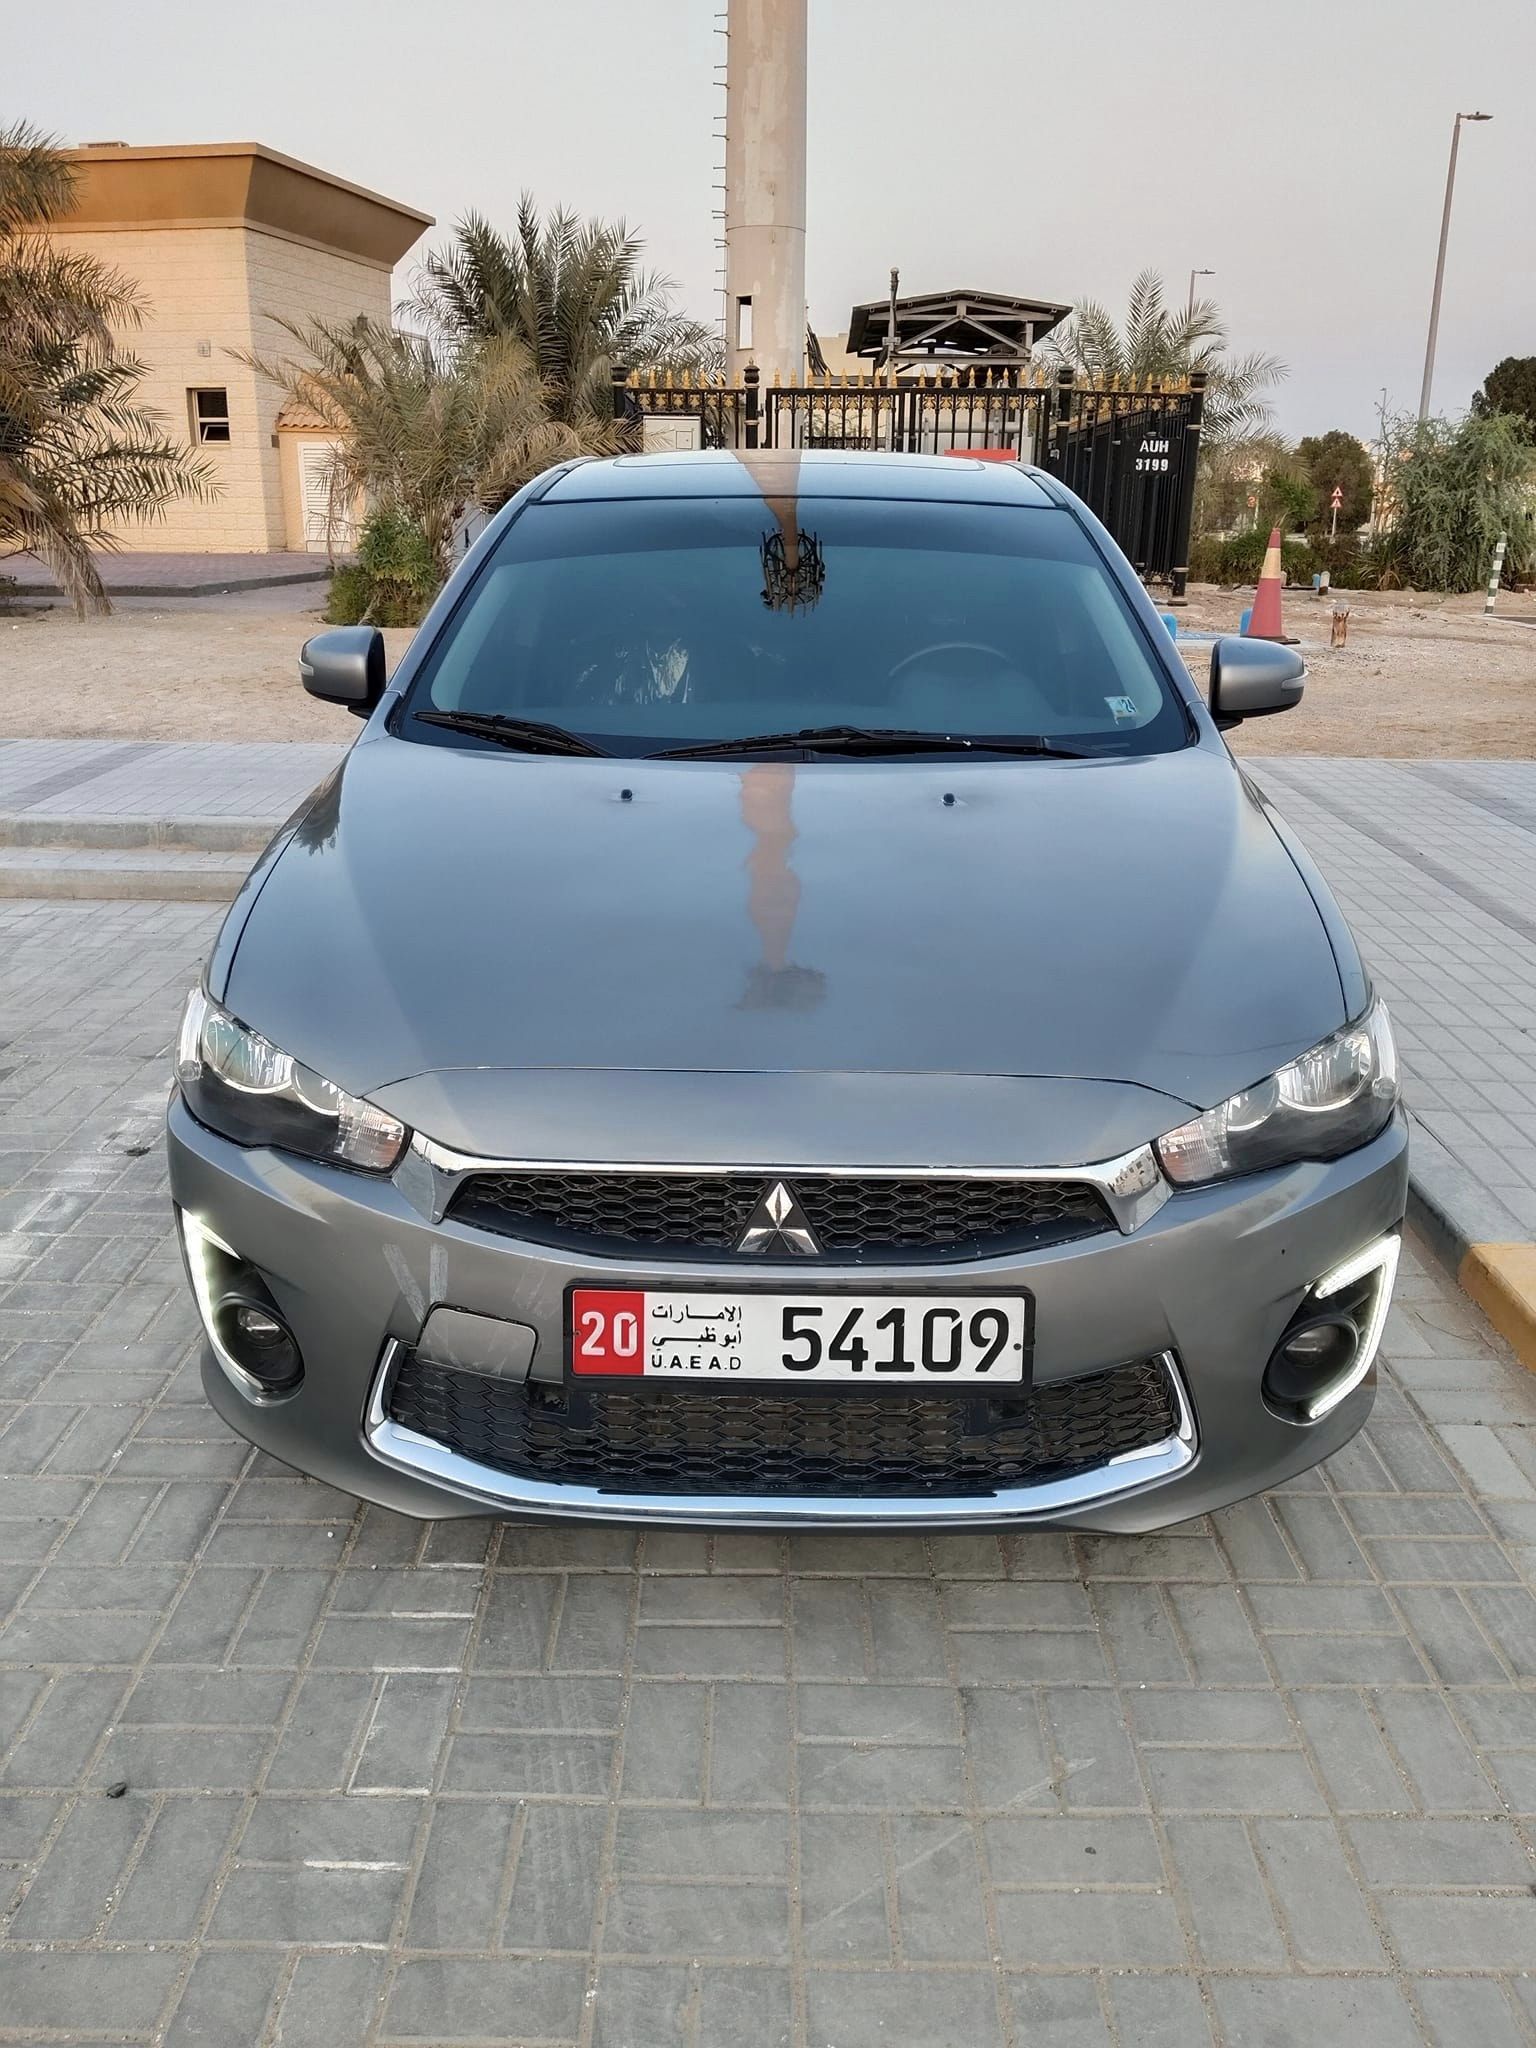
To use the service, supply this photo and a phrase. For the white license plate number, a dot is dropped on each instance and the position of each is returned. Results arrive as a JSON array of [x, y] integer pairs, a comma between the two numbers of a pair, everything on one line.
[[800, 1339]]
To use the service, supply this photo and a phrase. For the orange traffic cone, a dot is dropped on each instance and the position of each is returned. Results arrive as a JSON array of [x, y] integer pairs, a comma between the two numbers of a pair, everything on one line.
[[1264, 621]]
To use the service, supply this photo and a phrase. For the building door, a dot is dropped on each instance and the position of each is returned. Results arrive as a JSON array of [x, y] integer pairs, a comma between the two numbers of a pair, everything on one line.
[[328, 522]]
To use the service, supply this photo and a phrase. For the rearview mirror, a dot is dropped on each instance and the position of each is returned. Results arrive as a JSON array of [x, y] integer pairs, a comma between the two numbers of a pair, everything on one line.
[[346, 666], [1253, 679]]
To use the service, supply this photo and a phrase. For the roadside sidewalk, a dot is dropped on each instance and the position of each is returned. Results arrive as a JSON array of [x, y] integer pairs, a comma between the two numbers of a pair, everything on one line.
[[144, 819], [1434, 863]]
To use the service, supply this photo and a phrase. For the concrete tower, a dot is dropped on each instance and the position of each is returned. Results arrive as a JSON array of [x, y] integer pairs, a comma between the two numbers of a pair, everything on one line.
[[765, 188]]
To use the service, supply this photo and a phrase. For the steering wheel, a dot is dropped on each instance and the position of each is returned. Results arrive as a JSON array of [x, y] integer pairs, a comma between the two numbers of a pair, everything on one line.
[[981, 647]]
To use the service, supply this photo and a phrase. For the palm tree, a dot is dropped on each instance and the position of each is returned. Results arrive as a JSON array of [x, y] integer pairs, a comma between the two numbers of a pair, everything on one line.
[[572, 292], [78, 453], [424, 429], [1158, 342]]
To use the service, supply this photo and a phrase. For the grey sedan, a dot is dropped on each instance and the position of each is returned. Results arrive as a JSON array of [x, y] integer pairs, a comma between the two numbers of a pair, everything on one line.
[[790, 1013]]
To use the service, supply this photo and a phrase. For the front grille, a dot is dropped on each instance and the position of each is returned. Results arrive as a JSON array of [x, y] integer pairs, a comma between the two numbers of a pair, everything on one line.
[[703, 1215], [675, 1440]]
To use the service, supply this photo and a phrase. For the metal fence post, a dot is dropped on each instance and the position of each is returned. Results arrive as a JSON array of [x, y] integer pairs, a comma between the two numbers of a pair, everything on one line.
[[626, 414], [1184, 515], [1065, 379], [752, 377]]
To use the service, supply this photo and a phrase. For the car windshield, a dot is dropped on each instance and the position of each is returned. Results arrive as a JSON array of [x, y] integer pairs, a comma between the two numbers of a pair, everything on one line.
[[651, 625]]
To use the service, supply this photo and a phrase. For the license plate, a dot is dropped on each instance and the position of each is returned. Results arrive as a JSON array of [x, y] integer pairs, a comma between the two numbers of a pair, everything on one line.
[[800, 1339]]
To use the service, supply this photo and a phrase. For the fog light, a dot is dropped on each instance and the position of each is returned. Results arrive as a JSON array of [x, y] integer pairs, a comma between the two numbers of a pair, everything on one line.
[[256, 1337], [257, 1327], [1308, 1358], [254, 1347], [1331, 1342]]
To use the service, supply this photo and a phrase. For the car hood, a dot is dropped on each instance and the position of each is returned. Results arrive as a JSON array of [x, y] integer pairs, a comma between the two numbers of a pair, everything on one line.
[[442, 910]]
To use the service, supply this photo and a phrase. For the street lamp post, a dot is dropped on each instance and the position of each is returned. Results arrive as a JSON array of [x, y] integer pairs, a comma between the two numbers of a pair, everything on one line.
[[1445, 232], [1192, 276]]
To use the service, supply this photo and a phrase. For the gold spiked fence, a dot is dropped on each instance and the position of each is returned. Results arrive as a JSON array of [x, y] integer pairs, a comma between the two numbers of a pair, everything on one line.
[[1128, 448]]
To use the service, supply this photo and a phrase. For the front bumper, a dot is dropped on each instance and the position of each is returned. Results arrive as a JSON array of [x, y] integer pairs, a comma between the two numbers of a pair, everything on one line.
[[1211, 1279]]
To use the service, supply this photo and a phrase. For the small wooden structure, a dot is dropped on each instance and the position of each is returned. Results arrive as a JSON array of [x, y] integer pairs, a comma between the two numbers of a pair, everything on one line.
[[964, 329]]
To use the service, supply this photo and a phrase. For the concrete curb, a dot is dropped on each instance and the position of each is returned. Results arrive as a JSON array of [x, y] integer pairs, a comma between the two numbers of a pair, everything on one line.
[[49, 593], [200, 835], [1501, 1279], [1481, 1244], [141, 874]]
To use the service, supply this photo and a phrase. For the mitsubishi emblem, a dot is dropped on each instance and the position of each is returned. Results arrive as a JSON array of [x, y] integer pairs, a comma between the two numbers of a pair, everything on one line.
[[778, 1224]]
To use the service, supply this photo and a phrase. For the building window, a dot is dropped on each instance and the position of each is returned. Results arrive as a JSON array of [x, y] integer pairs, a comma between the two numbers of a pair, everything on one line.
[[210, 415], [743, 323]]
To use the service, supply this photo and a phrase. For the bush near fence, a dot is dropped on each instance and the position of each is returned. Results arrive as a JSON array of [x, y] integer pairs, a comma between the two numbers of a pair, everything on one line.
[[1237, 558]]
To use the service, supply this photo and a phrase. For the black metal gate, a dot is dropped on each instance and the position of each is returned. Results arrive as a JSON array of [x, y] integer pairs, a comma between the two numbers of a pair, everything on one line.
[[1128, 452]]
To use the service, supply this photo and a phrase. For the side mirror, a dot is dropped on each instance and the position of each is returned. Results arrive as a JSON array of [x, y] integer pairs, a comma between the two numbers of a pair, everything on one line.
[[1253, 679], [345, 666]]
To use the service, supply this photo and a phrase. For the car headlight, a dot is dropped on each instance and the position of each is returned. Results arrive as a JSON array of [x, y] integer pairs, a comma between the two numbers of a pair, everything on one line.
[[1333, 1098], [240, 1085]]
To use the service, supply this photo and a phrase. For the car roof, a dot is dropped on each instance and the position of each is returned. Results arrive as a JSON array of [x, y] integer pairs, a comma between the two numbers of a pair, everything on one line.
[[808, 473]]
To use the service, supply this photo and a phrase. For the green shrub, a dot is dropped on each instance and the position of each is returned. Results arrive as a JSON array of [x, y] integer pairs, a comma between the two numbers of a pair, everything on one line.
[[1451, 488], [395, 553], [1299, 560], [351, 592], [393, 580], [1238, 558], [1350, 566], [1213, 558]]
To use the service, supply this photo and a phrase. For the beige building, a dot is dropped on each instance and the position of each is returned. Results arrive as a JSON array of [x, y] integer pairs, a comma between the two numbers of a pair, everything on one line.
[[224, 239]]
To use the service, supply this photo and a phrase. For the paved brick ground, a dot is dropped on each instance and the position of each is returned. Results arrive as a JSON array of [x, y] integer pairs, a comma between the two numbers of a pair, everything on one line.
[[1267, 1779], [108, 782], [1434, 864]]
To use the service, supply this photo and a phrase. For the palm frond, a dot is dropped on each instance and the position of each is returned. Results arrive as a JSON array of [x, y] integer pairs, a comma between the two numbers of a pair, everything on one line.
[[37, 181], [79, 453], [1156, 343], [571, 290]]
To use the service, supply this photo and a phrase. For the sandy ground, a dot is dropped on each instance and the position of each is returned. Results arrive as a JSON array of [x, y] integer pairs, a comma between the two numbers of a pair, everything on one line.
[[200, 669], [1418, 677]]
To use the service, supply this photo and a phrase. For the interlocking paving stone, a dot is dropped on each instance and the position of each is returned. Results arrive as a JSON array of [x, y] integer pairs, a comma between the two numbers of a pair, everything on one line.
[[1446, 910], [902, 2009], [655, 2005], [1269, 1778], [845, 1908], [471, 1999], [558, 1879], [1229, 1902], [1265, 2012], [738, 1921], [1475, 2009]]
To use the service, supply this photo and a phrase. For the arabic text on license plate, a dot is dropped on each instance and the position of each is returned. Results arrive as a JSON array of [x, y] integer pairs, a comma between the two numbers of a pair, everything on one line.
[[676, 1334]]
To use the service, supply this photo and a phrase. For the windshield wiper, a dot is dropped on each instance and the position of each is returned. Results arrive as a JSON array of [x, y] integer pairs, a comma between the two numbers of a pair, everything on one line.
[[528, 735], [867, 739]]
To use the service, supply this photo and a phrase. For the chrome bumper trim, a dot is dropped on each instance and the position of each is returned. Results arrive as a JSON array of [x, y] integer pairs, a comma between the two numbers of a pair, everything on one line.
[[425, 1459], [1132, 1185], [1381, 1259], [196, 1240]]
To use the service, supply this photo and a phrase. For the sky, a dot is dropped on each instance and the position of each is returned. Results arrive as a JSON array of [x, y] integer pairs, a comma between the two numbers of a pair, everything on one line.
[[1296, 150]]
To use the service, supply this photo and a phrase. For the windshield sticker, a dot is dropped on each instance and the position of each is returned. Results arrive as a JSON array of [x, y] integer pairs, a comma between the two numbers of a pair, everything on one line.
[[1122, 707]]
